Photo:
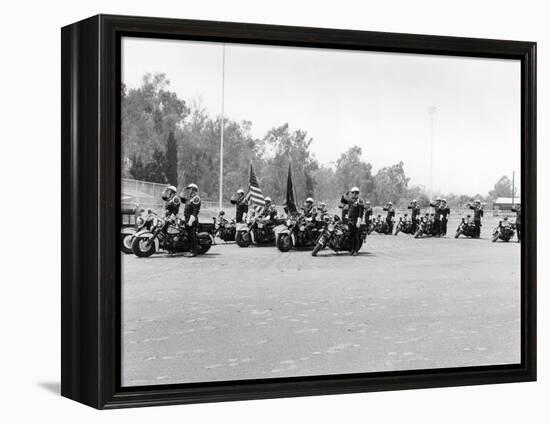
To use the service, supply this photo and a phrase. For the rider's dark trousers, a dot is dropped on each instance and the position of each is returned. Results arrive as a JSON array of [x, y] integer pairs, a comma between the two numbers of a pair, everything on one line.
[[354, 234], [477, 223], [390, 226], [192, 234], [443, 230], [518, 230]]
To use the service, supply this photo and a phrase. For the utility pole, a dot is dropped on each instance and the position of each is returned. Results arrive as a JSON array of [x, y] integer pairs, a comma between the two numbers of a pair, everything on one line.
[[513, 186], [432, 110], [221, 127]]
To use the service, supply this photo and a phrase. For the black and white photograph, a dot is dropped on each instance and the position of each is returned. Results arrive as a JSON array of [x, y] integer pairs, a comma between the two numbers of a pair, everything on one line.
[[291, 212]]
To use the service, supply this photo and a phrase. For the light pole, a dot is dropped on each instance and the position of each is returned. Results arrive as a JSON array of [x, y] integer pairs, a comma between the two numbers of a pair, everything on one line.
[[221, 127], [432, 110]]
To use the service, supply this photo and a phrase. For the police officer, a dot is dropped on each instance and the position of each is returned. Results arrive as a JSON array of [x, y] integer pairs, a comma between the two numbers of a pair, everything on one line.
[[389, 216], [241, 208], [368, 213], [269, 212], [478, 215], [436, 217], [356, 210], [517, 210], [191, 216], [310, 212], [415, 214], [322, 211], [444, 211], [171, 201]]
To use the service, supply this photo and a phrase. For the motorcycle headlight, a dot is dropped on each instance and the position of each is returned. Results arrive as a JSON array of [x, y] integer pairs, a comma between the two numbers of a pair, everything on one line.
[[302, 227], [139, 220], [330, 227], [288, 222]]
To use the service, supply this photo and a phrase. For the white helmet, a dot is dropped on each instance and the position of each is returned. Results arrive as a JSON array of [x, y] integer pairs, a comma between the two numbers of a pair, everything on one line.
[[438, 198], [240, 191], [355, 190], [171, 188], [390, 203], [193, 185], [268, 199], [309, 200]]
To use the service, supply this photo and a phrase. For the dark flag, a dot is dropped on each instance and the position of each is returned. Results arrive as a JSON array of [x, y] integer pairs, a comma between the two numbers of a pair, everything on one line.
[[290, 204], [255, 195]]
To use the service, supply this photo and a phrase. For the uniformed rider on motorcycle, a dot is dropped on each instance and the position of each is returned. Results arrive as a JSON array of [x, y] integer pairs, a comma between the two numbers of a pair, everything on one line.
[[241, 205], [172, 202], [191, 216]]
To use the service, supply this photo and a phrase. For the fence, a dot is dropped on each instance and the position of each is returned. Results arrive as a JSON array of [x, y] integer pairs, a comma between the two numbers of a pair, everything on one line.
[[148, 195]]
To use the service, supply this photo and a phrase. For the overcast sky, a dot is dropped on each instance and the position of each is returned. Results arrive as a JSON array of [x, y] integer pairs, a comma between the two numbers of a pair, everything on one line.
[[379, 101]]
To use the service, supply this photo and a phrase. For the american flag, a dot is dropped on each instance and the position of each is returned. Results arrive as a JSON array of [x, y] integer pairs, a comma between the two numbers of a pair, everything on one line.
[[255, 195]]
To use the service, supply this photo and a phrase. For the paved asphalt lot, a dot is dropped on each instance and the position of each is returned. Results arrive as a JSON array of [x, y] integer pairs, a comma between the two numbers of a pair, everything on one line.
[[239, 313]]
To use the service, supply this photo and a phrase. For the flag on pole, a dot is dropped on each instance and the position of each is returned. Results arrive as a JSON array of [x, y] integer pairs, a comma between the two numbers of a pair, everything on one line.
[[290, 204], [255, 196]]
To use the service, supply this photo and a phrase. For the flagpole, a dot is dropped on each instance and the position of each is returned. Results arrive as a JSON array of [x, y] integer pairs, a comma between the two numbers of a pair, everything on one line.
[[221, 126]]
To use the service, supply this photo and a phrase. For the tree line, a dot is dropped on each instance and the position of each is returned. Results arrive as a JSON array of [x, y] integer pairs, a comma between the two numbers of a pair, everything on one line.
[[168, 140]]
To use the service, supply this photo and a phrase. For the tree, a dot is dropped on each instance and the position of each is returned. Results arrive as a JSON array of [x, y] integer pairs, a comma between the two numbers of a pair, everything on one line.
[[154, 170], [148, 114], [502, 188], [287, 146], [171, 160], [137, 169], [352, 171], [390, 184]]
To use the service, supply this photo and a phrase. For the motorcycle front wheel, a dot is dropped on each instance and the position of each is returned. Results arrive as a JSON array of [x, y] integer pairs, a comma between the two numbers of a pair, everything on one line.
[[205, 243], [284, 242], [458, 233], [126, 243], [316, 249], [143, 247], [243, 239], [495, 237], [418, 234]]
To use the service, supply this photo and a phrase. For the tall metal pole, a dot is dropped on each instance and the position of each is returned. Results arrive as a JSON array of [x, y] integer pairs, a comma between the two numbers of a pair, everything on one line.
[[221, 126], [432, 111], [513, 186]]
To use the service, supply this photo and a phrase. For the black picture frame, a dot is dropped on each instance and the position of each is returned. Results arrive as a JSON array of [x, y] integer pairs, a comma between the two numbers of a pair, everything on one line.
[[90, 176]]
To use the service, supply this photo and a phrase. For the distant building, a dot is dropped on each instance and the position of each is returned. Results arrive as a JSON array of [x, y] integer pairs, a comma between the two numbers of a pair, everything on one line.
[[504, 204]]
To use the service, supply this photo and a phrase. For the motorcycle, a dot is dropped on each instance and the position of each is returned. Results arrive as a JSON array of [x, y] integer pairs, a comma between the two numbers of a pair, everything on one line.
[[466, 228], [404, 225], [127, 233], [336, 235], [170, 235], [426, 227], [379, 225], [258, 230], [298, 232], [505, 231], [224, 228]]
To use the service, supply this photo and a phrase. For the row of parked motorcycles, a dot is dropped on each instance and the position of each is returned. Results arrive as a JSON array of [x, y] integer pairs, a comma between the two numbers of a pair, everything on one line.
[[426, 226], [292, 232], [153, 233]]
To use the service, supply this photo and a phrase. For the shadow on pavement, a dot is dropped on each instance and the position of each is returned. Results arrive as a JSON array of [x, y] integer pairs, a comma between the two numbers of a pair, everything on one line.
[[51, 386]]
